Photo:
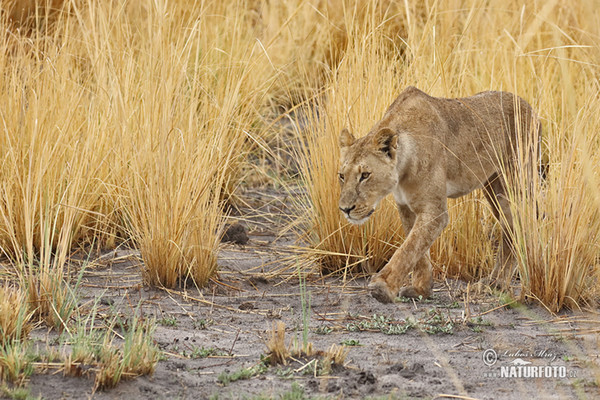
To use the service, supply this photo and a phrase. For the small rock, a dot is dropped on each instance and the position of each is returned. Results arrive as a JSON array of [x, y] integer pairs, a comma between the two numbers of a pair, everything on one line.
[[236, 233], [366, 377], [389, 381], [258, 279], [107, 301], [246, 306], [395, 368], [332, 387], [409, 373]]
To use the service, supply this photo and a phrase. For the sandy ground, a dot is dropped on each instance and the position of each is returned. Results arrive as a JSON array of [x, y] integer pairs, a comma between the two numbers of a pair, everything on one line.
[[461, 343]]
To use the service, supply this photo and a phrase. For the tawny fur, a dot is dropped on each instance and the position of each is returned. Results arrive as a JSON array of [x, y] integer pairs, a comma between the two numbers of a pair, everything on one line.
[[424, 150]]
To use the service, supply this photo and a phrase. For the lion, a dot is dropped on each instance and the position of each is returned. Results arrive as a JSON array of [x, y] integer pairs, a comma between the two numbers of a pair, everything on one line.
[[423, 151]]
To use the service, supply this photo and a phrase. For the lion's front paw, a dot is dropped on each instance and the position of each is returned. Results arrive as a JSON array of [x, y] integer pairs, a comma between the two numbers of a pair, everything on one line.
[[381, 292], [412, 292]]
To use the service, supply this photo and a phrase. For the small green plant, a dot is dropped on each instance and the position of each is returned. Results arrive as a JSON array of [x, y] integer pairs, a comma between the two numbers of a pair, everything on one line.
[[477, 324], [454, 304], [93, 346], [225, 378], [203, 352], [168, 321], [285, 373], [351, 342], [386, 397], [139, 352], [50, 296], [383, 324], [295, 393], [432, 322], [402, 299], [323, 330], [506, 299], [202, 324], [435, 322], [16, 393]]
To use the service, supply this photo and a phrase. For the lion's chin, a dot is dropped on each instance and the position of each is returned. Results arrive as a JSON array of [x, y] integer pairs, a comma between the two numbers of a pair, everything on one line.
[[360, 221]]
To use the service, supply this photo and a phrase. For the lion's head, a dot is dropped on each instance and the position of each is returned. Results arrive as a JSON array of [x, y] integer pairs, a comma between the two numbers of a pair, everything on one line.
[[367, 172]]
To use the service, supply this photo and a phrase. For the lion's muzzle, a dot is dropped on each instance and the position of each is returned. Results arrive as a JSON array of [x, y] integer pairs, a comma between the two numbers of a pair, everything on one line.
[[357, 216]]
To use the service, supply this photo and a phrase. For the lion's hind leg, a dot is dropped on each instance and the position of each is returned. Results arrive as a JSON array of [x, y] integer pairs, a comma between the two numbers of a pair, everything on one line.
[[505, 263]]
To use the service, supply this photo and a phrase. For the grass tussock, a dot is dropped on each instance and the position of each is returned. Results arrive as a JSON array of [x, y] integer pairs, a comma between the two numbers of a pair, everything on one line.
[[137, 356], [15, 325], [276, 348], [15, 316], [15, 363], [96, 349], [557, 241], [49, 296], [317, 361]]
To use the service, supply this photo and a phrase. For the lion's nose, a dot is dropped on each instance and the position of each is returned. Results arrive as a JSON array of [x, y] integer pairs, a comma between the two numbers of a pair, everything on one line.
[[347, 210]]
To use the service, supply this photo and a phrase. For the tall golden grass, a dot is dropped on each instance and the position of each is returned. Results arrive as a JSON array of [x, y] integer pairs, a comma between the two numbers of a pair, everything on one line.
[[127, 121], [131, 121]]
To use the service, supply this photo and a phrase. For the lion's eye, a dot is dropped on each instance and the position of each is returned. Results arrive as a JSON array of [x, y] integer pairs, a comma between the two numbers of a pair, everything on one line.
[[364, 176], [341, 176]]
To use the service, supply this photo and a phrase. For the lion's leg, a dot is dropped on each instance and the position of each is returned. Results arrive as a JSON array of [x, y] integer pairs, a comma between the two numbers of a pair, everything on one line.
[[412, 256], [378, 286], [422, 280], [505, 262]]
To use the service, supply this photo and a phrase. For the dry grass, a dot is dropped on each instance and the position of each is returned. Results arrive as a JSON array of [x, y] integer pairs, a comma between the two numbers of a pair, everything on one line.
[[15, 317], [15, 363], [15, 325], [278, 351], [126, 122], [558, 241], [335, 356], [93, 347]]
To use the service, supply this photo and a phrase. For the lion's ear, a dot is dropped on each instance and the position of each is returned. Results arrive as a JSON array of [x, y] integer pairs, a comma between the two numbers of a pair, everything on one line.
[[386, 141], [346, 138]]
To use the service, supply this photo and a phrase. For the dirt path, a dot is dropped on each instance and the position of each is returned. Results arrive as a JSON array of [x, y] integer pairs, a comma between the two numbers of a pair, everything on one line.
[[460, 343]]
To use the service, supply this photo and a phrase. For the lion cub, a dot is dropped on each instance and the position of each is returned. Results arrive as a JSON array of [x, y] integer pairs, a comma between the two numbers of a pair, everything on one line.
[[424, 150]]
